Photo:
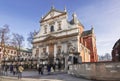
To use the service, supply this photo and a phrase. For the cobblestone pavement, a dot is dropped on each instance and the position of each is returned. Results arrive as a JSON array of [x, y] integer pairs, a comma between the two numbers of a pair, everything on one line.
[[33, 76]]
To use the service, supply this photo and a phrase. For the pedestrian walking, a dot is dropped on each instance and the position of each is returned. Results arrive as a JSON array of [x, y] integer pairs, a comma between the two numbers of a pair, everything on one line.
[[40, 69], [14, 70], [54, 66], [6, 69], [49, 68], [20, 70], [59, 66], [38, 66], [3, 69], [11, 68]]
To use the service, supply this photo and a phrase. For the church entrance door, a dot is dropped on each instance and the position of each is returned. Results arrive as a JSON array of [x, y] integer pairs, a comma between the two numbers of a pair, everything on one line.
[[51, 53]]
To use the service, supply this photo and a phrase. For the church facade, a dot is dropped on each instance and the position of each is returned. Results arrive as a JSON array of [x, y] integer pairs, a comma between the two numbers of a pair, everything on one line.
[[60, 40]]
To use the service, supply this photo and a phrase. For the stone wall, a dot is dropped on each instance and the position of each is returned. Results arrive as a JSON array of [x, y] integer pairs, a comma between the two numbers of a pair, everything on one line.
[[103, 71]]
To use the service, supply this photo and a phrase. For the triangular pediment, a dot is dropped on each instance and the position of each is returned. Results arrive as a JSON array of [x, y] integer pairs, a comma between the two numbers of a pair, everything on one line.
[[51, 14], [50, 37]]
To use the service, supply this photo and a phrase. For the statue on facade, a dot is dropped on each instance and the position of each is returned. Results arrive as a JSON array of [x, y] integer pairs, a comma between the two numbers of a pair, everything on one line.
[[71, 49]]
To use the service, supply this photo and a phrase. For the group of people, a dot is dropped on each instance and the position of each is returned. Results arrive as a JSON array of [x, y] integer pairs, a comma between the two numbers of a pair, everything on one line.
[[14, 69], [17, 69], [41, 68], [50, 68]]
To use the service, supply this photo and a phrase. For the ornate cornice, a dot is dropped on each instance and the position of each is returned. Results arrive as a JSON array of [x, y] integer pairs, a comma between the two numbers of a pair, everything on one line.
[[55, 39], [57, 32]]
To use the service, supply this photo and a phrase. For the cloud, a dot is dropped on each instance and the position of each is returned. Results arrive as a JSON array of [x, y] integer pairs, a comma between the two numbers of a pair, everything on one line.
[[18, 25], [105, 17]]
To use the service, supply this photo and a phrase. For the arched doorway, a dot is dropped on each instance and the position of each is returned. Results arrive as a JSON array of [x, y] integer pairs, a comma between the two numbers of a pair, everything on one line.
[[75, 60]]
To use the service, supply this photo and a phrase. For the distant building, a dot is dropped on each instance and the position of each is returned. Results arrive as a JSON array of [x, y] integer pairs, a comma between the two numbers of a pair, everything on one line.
[[116, 51], [11, 53], [64, 41], [106, 57]]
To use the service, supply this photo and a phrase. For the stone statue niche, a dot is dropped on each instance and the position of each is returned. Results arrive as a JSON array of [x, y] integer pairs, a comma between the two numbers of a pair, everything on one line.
[[71, 49], [58, 51], [45, 54]]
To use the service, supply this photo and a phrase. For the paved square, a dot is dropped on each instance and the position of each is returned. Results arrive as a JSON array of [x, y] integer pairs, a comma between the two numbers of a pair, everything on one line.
[[34, 76]]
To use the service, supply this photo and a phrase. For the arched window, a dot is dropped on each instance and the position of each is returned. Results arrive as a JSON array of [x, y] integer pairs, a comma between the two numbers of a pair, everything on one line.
[[52, 28], [44, 50], [59, 49]]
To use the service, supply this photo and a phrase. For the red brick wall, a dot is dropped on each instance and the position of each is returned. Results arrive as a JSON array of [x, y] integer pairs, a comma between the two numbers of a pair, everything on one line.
[[91, 45]]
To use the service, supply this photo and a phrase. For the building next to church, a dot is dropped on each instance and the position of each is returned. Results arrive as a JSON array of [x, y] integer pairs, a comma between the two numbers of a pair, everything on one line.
[[63, 41], [11, 53], [116, 51]]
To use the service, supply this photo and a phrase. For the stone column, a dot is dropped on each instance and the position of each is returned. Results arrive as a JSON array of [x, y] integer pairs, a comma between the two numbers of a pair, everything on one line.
[[47, 50], [55, 51], [78, 43], [66, 62]]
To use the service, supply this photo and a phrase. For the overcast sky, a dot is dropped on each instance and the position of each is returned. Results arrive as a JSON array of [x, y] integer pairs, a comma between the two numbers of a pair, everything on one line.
[[104, 15]]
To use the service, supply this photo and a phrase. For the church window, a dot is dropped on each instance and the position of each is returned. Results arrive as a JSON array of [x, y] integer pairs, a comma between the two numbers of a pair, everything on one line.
[[4, 50], [59, 50], [37, 51], [44, 50], [11, 51], [59, 25], [52, 28], [8, 51], [14, 52]]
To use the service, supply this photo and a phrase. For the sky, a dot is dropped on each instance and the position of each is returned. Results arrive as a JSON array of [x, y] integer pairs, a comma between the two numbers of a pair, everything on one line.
[[23, 16]]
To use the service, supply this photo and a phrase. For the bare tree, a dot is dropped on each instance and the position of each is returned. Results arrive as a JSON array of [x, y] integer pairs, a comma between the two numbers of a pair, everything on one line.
[[4, 37], [30, 37], [17, 42]]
